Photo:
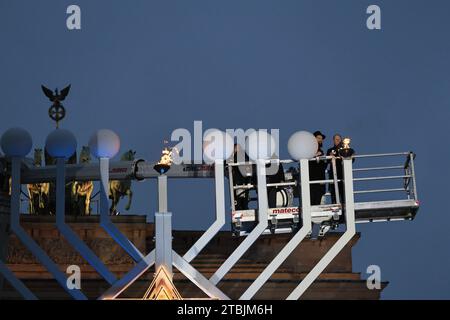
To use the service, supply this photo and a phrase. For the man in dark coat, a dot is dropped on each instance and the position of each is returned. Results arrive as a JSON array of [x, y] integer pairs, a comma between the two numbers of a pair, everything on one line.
[[317, 171]]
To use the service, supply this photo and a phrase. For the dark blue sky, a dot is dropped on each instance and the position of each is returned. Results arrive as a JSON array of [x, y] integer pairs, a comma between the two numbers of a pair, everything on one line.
[[144, 68]]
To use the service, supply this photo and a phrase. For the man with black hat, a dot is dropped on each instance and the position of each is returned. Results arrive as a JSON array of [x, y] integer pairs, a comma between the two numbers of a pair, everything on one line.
[[317, 172]]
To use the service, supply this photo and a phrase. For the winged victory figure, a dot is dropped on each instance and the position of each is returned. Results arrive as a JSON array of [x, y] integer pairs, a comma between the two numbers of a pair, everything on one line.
[[57, 111]]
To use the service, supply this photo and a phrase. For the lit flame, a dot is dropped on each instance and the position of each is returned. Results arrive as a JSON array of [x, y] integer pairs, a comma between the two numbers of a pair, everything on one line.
[[167, 156], [346, 143]]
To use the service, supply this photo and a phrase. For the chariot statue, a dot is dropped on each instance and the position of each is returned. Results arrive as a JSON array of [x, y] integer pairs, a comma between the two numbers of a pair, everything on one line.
[[121, 188], [82, 190], [38, 193]]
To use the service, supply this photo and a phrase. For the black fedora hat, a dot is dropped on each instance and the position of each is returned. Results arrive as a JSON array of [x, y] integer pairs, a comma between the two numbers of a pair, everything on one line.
[[318, 133]]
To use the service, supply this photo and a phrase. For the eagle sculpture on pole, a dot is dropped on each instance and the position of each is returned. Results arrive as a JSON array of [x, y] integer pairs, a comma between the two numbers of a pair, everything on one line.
[[56, 112]]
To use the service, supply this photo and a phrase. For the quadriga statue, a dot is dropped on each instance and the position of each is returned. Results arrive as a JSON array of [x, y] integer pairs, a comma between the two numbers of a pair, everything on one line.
[[38, 192], [120, 188], [82, 190]]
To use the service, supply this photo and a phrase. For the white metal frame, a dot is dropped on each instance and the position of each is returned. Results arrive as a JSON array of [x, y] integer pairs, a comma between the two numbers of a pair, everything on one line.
[[68, 233], [293, 243], [256, 232], [163, 255], [37, 251], [342, 241]]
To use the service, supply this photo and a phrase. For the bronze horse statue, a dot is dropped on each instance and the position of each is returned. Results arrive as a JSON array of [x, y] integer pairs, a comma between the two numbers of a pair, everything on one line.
[[82, 190], [38, 192], [119, 189]]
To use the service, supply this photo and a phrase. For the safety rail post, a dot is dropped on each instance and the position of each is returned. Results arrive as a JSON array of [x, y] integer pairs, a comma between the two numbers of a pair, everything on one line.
[[335, 178], [231, 183], [407, 181], [413, 175]]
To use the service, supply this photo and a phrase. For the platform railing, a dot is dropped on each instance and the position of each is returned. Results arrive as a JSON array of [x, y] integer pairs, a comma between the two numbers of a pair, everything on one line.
[[408, 187]]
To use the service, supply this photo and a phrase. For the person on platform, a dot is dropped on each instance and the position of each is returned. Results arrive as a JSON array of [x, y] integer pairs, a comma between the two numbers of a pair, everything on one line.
[[246, 175], [341, 149], [317, 172]]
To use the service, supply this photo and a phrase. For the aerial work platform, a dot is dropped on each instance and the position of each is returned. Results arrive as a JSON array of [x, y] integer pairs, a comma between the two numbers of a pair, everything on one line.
[[286, 217]]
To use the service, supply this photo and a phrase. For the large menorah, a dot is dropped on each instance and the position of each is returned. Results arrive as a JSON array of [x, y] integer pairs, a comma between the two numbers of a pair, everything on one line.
[[104, 144]]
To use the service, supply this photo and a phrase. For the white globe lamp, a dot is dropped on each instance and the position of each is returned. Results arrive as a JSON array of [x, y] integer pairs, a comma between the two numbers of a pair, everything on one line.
[[61, 143], [260, 145], [104, 143], [302, 145], [16, 142], [217, 145]]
